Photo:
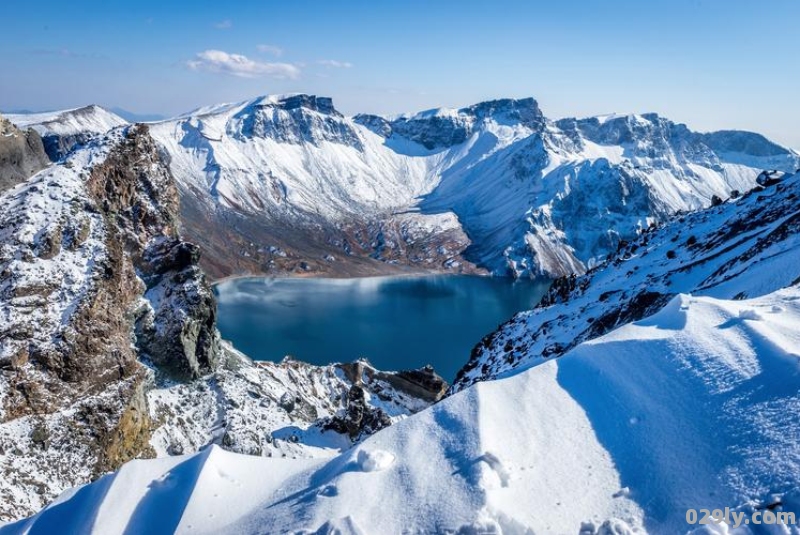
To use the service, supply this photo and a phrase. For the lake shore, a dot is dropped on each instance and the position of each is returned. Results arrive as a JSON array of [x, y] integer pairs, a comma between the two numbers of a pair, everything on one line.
[[323, 276]]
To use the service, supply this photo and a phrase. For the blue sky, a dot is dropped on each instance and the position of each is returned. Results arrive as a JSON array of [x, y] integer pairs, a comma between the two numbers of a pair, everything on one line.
[[712, 64]]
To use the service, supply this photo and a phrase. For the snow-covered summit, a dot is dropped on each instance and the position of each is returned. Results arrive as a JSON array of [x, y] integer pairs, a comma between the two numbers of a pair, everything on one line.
[[92, 118], [441, 128], [63, 131]]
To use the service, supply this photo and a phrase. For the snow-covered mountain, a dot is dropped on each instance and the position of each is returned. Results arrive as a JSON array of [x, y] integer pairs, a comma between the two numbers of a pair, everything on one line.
[[674, 401], [287, 184], [64, 130], [533, 196], [677, 383]]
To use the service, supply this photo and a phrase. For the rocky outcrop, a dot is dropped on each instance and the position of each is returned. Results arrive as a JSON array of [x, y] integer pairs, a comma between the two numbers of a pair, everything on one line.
[[358, 418], [176, 323], [21, 154], [424, 383], [71, 388], [176, 329]]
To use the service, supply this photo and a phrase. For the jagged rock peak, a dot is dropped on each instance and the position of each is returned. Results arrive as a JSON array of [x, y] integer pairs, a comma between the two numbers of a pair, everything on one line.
[[290, 102], [445, 127], [524, 110], [287, 119]]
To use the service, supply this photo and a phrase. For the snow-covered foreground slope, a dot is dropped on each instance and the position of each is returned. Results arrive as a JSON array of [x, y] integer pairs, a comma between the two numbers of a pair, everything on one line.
[[696, 406]]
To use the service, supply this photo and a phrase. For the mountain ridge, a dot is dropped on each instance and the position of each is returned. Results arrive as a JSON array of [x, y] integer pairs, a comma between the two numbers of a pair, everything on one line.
[[521, 195]]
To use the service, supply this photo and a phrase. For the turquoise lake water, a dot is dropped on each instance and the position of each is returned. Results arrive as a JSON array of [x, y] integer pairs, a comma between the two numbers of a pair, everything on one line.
[[395, 322]]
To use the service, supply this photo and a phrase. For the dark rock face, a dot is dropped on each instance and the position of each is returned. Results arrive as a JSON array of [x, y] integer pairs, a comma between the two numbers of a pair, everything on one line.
[[57, 147], [177, 332], [297, 119], [423, 383], [436, 131], [310, 102], [377, 124], [744, 142], [359, 418], [21, 154]]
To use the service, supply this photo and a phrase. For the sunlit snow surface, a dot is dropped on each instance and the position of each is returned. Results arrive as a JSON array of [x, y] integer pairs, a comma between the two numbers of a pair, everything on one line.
[[693, 407]]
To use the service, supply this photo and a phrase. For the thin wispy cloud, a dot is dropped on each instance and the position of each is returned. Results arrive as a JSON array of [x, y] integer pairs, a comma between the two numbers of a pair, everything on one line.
[[65, 53], [217, 61], [226, 24], [271, 50], [335, 64]]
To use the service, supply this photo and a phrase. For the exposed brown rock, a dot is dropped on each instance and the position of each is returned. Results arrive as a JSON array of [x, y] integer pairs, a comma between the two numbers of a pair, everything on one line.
[[21, 154]]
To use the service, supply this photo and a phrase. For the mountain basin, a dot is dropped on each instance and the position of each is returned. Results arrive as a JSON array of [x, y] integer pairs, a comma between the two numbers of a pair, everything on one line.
[[394, 322]]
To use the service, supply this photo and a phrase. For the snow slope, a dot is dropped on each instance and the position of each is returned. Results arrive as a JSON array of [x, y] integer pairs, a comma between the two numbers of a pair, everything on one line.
[[63, 131], [695, 406]]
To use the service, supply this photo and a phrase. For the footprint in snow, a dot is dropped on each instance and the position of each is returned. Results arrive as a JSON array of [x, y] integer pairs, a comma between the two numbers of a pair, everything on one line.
[[496, 465]]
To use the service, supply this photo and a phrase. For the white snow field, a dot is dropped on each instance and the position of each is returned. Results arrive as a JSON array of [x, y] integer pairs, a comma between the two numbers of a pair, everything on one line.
[[694, 407]]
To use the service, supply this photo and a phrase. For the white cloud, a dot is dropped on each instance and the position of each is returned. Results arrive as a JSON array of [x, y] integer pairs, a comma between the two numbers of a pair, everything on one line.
[[221, 62], [226, 24], [270, 49], [335, 64]]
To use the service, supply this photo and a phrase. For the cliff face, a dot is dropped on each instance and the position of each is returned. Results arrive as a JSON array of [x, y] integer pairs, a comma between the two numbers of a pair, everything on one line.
[[175, 323], [81, 245], [21, 154]]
